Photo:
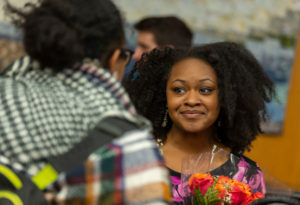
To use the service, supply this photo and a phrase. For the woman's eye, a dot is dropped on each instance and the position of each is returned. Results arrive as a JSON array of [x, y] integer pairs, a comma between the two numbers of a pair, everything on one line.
[[206, 91], [178, 90]]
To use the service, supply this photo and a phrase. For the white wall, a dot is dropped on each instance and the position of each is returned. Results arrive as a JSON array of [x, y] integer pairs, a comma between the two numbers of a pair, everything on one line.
[[18, 3], [226, 16], [261, 15]]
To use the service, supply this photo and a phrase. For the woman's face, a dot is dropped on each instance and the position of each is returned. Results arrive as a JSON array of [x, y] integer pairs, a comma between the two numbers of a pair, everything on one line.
[[192, 95]]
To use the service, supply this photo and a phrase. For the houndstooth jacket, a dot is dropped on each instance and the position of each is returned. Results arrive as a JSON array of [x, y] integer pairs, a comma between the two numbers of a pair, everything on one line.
[[45, 114]]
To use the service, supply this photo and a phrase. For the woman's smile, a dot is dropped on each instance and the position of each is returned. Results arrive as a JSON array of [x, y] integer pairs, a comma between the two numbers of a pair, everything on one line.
[[192, 114]]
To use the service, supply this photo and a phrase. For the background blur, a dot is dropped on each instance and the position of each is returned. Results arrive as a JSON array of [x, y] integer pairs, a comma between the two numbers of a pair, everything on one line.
[[269, 28]]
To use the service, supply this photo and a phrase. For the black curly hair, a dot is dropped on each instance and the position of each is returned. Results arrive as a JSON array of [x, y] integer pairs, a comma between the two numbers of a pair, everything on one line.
[[244, 88], [59, 33]]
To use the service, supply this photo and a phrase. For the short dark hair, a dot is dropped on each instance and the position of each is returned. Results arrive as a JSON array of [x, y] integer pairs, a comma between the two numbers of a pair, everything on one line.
[[59, 33], [244, 88], [168, 30]]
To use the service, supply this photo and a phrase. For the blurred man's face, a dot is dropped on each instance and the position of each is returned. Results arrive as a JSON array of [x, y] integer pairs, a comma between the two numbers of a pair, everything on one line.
[[145, 43]]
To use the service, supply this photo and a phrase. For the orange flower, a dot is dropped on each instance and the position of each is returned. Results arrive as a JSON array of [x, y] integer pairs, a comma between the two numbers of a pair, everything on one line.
[[224, 186], [255, 196], [239, 186], [222, 191], [200, 181], [224, 180]]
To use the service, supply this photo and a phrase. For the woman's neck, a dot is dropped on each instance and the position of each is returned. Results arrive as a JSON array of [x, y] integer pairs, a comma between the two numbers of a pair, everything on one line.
[[190, 143], [180, 145]]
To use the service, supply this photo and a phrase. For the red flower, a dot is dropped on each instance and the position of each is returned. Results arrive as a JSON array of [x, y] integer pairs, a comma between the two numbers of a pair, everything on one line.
[[224, 180], [200, 181], [240, 193], [226, 190], [255, 196]]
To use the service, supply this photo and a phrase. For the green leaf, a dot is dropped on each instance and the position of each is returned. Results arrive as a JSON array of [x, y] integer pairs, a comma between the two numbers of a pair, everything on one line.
[[210, 198], [199, 198]]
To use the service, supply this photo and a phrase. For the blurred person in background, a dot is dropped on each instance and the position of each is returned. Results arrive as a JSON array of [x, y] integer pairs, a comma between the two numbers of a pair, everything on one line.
[[160, 32], [68, 131]]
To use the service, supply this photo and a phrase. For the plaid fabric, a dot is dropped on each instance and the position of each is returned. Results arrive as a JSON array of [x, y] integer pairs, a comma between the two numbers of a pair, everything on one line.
[[127, 171], [44, 114]]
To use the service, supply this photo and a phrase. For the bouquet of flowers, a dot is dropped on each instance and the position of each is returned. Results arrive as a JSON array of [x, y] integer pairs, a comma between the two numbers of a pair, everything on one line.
[[218, 178], [210, 190]]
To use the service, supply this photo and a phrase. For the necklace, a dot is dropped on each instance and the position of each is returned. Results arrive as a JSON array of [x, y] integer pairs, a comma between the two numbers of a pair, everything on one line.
[[160, 144]]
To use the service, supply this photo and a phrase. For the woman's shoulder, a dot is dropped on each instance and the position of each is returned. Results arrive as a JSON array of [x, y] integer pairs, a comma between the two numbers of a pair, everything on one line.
[[237, 165], [249, 172], [242, 169], [234, 164], [247, 162]]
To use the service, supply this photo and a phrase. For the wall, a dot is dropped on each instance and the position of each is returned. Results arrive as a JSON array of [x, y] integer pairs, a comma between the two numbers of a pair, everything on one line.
[[17, 3], [280, 155]]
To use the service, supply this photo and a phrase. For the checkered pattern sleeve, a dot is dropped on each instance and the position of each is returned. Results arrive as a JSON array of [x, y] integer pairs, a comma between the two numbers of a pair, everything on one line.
[[129, 170]]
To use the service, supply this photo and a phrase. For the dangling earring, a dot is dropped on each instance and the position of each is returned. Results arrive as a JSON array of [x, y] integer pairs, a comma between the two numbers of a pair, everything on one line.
[[165, 120], [159, 142]]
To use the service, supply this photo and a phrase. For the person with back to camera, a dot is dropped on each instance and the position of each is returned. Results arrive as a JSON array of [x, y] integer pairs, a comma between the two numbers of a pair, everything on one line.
[[214, 94], [68, 131]]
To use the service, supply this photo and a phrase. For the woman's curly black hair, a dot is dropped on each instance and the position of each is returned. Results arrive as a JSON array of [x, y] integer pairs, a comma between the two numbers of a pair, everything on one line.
[[59, 33], [244, 88]]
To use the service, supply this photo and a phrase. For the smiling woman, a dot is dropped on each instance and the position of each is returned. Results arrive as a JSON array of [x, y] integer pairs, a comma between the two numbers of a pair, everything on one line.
[[192, 96], [211, 95]]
